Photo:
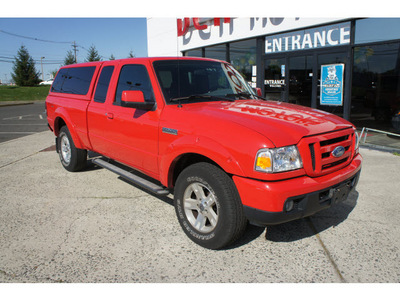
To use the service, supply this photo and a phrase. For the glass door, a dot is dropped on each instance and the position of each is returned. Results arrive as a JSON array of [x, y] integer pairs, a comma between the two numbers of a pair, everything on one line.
[[274, 80], [297, 78], [331, 82], [300, 80]]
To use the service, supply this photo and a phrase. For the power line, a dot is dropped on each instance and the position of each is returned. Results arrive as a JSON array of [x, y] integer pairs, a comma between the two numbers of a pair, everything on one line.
[[73, 44], [44, 63], [48, 61], [33, 38]]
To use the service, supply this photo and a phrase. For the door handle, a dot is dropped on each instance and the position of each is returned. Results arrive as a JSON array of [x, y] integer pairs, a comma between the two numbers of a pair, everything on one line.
[[110, 115]]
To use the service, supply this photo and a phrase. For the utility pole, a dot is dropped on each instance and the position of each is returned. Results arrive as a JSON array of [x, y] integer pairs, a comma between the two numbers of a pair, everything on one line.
[[75, 46], [41, 64]]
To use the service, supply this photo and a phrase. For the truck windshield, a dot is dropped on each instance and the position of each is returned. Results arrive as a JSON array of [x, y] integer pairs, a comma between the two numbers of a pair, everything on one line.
[[197, 80]]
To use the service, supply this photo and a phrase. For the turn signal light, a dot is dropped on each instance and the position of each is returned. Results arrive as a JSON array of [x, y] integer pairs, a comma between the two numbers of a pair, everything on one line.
[[264, 162]]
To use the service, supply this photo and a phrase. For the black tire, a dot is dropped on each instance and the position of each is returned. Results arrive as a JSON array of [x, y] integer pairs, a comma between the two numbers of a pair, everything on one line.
[[208, 206], [72, 158]]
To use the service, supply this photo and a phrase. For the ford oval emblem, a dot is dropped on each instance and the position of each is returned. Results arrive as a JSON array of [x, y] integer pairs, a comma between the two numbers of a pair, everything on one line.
[[338, 151]]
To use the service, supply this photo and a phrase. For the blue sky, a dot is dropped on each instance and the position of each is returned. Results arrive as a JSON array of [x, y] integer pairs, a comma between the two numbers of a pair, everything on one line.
[[117, 36], [119, 26]]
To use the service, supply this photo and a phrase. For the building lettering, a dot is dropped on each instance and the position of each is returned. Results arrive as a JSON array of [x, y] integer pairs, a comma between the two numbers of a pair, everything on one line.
[[309, 39], [184, 25], [275, 82]]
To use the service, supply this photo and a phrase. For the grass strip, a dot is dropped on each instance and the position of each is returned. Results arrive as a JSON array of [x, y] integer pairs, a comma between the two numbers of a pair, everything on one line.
[[23, 93]]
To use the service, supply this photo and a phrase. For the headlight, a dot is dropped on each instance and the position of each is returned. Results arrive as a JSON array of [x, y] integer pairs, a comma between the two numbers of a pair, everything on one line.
[[357, 140], [357, 137], [278, 160]]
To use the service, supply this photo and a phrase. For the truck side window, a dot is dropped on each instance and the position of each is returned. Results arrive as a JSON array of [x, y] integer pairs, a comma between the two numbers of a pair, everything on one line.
[[134, 78], [102, 84], [73, 80]]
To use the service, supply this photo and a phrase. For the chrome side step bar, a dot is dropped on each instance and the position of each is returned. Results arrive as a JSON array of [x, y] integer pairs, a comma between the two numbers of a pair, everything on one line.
[[148, 185]]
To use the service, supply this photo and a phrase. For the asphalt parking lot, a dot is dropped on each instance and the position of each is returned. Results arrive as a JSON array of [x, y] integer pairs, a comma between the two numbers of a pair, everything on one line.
[[90, 226], [21, 120]]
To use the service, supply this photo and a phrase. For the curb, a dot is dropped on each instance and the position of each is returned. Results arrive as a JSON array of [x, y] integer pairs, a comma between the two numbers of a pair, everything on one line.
[[14, 103], [379, 147]]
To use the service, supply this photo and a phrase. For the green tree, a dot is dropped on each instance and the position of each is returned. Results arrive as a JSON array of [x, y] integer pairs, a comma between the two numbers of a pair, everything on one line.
[[112, 57], [24, 69], [131, 55], [93, 55], [54, 73], [69, 59]]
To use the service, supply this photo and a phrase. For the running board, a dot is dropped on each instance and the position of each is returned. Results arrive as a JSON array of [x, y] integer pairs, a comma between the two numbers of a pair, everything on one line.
[[148, 185]]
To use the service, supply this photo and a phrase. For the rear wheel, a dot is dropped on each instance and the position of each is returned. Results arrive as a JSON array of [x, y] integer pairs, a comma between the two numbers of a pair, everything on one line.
[[208, 206], [72, 158]]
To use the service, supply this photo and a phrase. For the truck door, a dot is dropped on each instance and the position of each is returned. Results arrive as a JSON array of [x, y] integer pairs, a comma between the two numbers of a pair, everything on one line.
[[97, 110], [130, 135]]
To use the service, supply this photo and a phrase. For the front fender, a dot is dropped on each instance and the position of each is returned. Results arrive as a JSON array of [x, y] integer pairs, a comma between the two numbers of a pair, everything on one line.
[[200, 145]]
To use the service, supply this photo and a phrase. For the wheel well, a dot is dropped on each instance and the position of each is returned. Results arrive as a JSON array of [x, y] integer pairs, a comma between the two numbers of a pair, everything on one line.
[[183, 162], [58, 124]]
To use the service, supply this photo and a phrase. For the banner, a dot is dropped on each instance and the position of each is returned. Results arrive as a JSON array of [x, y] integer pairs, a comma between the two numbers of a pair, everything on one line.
[[332, 85]]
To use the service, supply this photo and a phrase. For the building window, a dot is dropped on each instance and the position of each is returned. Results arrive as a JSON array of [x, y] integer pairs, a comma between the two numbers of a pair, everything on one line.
[[243, 57], [376, 85], [216, 52], [377, 29], [194, 53]]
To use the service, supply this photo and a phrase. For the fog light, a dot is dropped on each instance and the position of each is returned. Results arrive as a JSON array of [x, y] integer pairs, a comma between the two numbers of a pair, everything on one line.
[[289, 205]]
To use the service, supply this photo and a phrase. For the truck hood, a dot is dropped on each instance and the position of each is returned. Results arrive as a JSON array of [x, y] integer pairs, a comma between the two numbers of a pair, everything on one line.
[[282, 123]]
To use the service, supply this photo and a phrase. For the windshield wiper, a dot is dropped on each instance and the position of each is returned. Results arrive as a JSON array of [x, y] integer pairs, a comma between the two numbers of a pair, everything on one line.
[[244, 95], [193, 97]]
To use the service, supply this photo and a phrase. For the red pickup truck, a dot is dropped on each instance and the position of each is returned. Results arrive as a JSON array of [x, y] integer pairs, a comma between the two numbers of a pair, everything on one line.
[[193, 127]]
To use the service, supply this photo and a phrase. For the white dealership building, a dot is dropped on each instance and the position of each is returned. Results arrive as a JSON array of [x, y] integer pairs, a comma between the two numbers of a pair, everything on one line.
[[347, 66]]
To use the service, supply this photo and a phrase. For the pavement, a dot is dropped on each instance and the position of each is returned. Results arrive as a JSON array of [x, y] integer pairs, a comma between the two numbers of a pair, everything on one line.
[[380, 140], [22, 120], [90, 227]]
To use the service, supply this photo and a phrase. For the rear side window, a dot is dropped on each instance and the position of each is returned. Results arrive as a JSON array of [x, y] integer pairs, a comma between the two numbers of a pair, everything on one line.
[[134, 78], [73, 80], [103, 83]]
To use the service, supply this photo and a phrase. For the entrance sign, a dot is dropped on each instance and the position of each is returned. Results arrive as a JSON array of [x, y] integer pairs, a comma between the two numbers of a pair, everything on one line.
[[321, 37], [275, 83], [332, 85]]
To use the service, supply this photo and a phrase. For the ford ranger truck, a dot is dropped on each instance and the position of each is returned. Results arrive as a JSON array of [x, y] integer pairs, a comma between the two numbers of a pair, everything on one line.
[[193, 127]]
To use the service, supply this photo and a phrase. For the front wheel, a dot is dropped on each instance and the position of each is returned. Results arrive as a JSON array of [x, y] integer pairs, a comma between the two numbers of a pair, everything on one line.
[[208, 206], [72, 158]]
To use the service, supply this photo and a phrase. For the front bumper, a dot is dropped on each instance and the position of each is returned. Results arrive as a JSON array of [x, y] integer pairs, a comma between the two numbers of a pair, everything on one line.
[[265, 203]]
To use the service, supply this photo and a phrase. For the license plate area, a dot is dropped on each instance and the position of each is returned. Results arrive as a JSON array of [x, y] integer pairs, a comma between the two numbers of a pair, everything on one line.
[[341, 193], [336, 194]]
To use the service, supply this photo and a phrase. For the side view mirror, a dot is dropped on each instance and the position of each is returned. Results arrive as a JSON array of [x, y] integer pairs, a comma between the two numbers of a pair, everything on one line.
[[135, 99], [258, 91]]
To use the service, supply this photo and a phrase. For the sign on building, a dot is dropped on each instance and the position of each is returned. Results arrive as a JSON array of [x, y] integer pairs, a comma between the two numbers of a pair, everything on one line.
[[321, 37], [332, 84]]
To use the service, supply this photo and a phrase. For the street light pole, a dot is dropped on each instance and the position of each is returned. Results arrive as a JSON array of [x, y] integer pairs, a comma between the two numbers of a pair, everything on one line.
[[41, 64]]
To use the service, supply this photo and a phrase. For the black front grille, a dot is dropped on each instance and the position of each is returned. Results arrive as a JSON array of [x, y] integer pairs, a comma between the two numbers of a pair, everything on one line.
[[312, 151], [336, 163], [334, 141]]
